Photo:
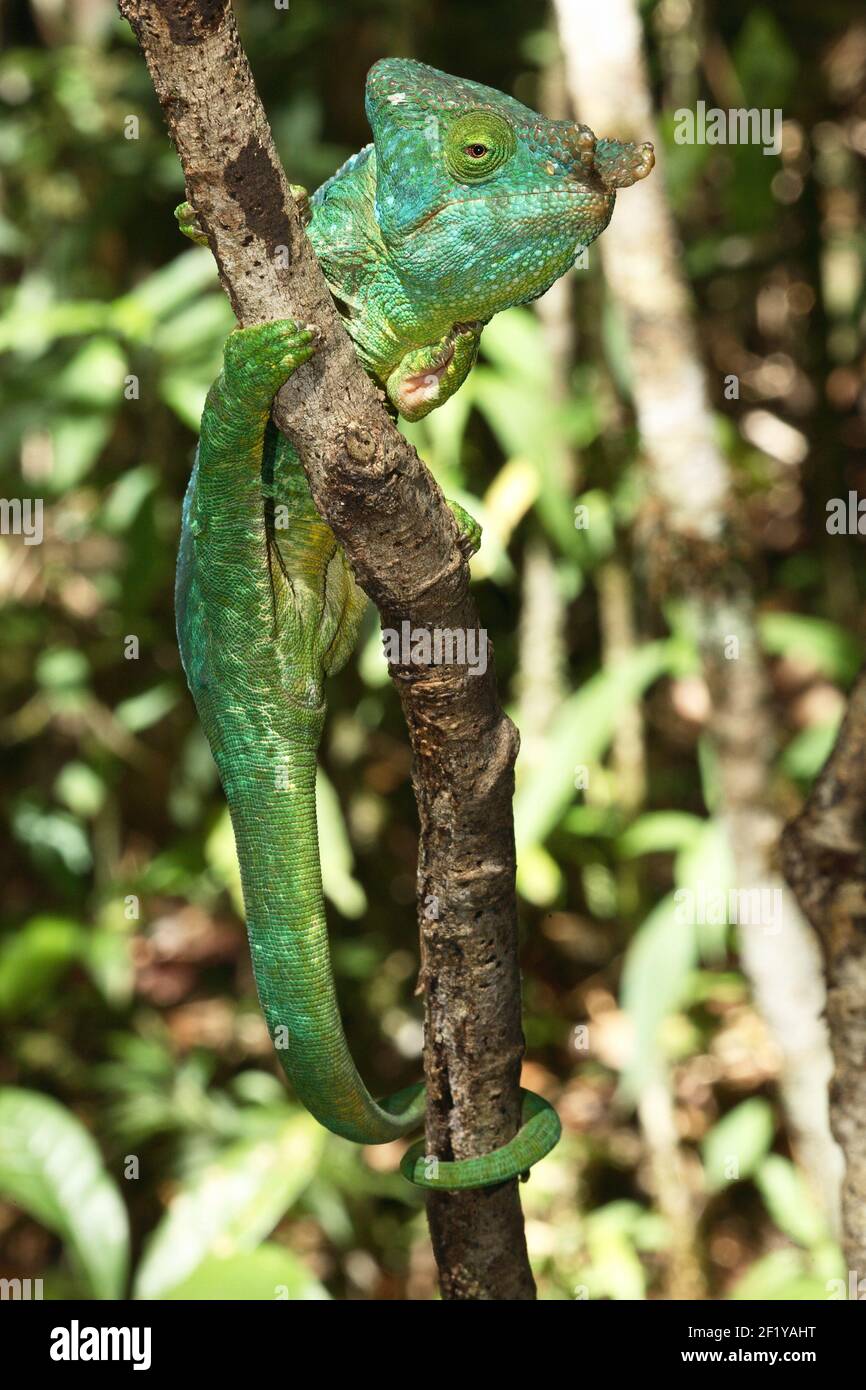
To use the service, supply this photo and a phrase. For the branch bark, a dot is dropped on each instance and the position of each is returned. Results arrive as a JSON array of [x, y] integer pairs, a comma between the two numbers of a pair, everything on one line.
[[401, 540], [824, 858], [693, 535]]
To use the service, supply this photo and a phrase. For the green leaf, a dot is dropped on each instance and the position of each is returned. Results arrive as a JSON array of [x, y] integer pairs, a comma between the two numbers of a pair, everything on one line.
[[789, 1201], [51, 1167], [808, 751], [579, 736], [80, 788], [734, 1146], [515, 342], [195, 332], [232, 1204], [615, 1270], [185, 393], [50, 834], [540, 875], [655, 979], [127, 496], [704, 873], [33, 959], [144, 710], [61, 669], [222, 857], [659, 832], [826, 647], [781, 1275], [439, 437], [93, 378], [270, 1272], [163, 292], [77, 442], [335, 852]]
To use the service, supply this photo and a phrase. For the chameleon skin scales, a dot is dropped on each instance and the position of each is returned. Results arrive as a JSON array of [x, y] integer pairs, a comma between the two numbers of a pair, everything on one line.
[[465, 203]]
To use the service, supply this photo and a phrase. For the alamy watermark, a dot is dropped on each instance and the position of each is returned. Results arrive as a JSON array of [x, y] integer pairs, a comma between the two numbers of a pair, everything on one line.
[[846, 516], [77, 1343], [22, 516], [747, 907], [438, 646], [737, 126], [20, 1289]]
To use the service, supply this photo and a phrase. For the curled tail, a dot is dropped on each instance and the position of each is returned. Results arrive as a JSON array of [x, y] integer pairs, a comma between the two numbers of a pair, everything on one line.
[[264, 614]]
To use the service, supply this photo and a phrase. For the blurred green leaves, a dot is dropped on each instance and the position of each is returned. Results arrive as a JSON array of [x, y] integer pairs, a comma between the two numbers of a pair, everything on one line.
[[51, 1167], [111, 329], [736, 1145], [269, 1272], [578, 739], [33, 961], [230, 1206]]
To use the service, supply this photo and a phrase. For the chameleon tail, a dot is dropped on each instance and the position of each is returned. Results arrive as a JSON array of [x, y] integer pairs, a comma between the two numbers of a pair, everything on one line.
[[252, 650], [275, 830]]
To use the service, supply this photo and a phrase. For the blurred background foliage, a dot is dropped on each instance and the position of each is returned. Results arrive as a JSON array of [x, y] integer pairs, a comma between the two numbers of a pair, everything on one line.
[[147, 1141]]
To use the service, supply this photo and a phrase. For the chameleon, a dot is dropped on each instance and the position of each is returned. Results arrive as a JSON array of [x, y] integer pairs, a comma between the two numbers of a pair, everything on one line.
[[465, 203]]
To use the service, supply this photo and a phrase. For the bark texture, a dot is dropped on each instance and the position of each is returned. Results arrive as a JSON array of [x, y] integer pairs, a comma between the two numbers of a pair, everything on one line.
[[824, 857], [401, 540], [691, 536]]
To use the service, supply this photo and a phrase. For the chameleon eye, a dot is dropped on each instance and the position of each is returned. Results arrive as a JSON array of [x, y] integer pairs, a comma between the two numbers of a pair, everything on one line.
[[476, 144]]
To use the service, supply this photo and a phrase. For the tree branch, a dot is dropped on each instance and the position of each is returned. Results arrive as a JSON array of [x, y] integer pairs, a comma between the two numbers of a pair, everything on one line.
[[401, 540], [824, 858], [689, 533]]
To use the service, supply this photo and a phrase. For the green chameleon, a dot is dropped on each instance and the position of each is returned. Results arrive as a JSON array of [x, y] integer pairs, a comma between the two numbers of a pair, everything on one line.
[[465, 203]]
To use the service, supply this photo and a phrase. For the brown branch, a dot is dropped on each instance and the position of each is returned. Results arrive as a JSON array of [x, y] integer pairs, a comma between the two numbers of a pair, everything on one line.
[[401, 540], [694, 550], [824, 858]]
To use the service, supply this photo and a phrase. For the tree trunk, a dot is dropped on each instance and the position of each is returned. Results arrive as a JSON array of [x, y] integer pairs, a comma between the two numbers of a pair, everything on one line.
[[401, 540], [693, 534], [824, 857]]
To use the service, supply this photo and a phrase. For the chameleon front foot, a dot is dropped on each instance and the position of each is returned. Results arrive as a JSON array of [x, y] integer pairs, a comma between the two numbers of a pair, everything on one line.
[[428, 376], [259, 359]]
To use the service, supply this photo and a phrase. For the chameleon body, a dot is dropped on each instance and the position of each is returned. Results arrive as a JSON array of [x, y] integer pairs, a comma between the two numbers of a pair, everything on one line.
[[465, 203]]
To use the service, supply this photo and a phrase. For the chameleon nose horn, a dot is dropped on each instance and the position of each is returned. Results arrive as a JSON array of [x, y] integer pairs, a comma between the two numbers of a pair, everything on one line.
[[619, 163]]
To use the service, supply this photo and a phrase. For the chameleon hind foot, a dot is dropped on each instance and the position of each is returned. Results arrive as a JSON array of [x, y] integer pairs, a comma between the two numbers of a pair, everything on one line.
[[185, 216], [469, 530], [302, 198]]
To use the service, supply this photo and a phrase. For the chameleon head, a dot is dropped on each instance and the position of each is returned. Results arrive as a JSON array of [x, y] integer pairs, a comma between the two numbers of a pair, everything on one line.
[[482, 203]]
